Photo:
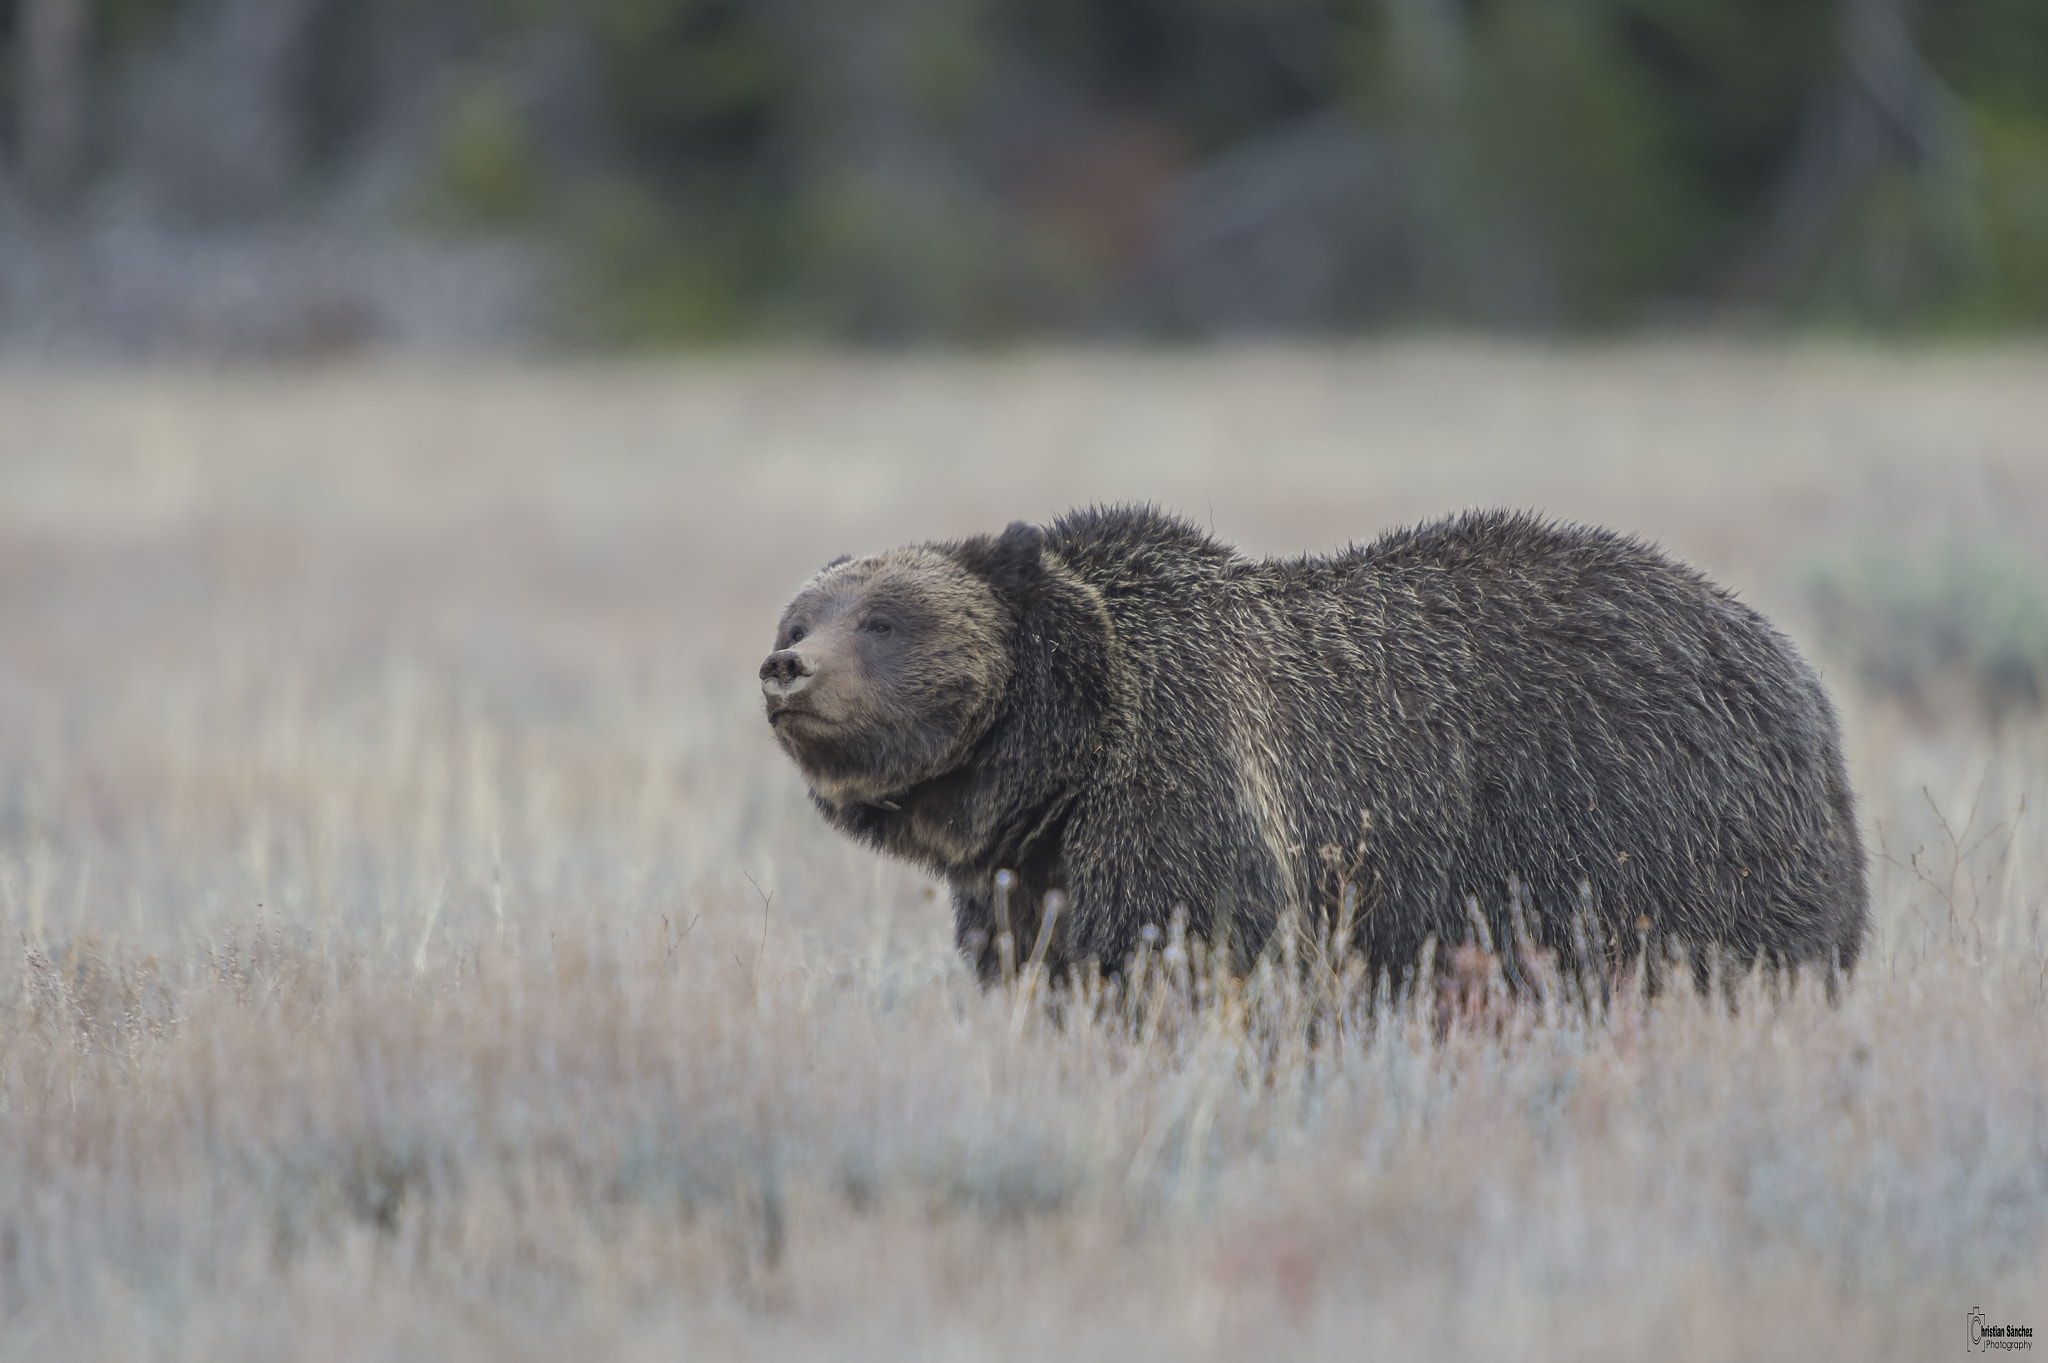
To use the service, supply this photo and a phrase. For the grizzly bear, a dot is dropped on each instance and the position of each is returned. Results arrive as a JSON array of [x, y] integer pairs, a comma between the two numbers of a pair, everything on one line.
[[1552, 730]]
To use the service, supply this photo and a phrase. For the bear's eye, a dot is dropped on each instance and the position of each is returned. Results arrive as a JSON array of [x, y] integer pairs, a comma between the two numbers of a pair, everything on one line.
[[796, 633], [877, 627]]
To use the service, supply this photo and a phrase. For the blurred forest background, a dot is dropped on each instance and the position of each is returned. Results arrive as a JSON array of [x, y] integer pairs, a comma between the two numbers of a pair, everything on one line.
[[285, 177]]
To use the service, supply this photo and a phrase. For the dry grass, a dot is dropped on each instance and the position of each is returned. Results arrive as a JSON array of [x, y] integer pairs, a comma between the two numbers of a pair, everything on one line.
[[418, 949]]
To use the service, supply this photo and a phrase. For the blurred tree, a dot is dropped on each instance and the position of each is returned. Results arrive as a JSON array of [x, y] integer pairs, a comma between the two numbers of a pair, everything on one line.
[[891, 170], [485, 160], [1217, 71], [686, 237], [1994, 52], [1880, 105], [51, 46], [1994, 55], [1591, 161]]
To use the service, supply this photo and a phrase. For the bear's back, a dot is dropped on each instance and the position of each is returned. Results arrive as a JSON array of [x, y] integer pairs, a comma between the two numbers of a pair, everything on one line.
[[1509, 701]]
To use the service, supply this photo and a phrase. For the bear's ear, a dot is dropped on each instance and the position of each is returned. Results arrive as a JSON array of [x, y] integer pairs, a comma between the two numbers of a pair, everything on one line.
[[1009, 563], [843, 558]]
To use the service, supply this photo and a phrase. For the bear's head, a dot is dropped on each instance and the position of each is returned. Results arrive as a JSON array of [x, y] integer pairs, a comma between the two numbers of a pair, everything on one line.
[[888, 669]]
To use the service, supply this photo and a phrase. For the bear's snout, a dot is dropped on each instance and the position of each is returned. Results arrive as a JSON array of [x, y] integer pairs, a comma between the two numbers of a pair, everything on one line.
[[785, 673]]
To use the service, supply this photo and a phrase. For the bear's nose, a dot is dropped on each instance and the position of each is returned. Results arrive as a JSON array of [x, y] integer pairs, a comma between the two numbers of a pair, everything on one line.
[[786, 672]]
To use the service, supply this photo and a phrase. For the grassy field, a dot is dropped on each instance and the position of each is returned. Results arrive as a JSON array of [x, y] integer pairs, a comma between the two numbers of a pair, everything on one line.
[[416, 947]]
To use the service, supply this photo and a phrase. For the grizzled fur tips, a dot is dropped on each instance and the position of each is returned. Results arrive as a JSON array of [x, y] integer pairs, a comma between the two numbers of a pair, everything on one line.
[[1551, 722]]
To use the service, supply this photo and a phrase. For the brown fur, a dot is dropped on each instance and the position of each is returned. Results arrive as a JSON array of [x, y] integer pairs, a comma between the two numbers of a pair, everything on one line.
[[1545, 724]]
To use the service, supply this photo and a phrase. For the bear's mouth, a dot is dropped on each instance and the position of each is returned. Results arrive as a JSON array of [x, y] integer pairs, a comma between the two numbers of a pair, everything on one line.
[[785, 710]]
